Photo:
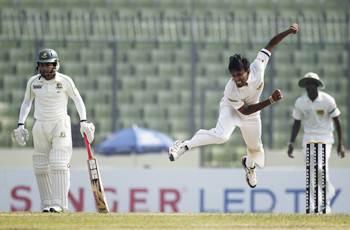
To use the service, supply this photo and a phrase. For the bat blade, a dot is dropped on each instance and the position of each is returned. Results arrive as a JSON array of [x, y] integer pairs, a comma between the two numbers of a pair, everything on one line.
[[97, 187]]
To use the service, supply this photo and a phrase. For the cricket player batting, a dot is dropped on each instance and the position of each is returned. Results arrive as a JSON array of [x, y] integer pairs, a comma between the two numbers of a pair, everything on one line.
[[240, 107], [52, 136]]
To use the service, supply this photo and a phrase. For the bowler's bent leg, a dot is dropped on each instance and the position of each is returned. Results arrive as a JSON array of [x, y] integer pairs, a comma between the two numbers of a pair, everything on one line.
[[226, 123]]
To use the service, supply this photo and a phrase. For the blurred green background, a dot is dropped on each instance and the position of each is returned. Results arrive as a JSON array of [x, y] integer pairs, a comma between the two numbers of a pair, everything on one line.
[[162, 64]]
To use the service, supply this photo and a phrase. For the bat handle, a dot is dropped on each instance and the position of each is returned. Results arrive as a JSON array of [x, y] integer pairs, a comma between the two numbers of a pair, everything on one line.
[[88, 147]]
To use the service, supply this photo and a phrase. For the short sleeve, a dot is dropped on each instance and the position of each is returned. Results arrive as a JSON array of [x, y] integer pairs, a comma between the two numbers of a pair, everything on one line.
[[333, 109], [297, 112]]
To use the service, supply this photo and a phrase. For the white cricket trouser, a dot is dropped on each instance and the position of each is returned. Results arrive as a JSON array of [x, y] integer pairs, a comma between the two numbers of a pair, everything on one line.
[[227, 121], [53, 151], [330, 191]]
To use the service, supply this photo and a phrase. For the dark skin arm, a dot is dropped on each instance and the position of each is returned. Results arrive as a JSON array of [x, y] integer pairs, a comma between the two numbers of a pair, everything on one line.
[[293, 29], [276, 95], [249, 109], [295, 130], [340, 147]]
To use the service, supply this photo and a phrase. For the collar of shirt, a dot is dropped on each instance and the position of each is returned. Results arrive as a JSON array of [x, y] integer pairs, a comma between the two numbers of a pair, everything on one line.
[[54, 80], [247, 82], [318, 98], [236, 87]]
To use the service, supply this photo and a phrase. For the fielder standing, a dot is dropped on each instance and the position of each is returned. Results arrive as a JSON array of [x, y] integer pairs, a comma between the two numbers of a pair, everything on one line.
[[52, 129], [240, 107], [318, 111]]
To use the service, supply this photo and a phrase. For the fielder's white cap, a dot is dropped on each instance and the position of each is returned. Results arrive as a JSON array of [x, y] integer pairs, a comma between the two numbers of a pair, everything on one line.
[[311, 77]]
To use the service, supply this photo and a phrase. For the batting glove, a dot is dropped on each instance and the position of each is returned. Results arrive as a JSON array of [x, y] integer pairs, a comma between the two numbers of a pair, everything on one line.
[[21, 135], [89, 129]]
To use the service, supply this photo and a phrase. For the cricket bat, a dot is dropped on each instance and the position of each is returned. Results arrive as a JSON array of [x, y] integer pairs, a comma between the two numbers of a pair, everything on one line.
[[95, 178]]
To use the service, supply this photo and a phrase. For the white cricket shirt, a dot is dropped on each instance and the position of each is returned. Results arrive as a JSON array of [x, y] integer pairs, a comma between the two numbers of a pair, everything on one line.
[[50, 98], [249, 94], [316, 116]]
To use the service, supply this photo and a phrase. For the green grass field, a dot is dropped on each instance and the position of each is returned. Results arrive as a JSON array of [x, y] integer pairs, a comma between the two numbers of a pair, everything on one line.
[[77, 221]]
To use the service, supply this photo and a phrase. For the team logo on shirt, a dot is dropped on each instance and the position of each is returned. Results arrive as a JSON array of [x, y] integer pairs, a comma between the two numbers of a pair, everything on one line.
[[59, 85], [320, 112], [260, 86]]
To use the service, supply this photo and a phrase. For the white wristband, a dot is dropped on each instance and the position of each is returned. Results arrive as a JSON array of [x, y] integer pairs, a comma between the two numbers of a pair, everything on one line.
[[271, 100]]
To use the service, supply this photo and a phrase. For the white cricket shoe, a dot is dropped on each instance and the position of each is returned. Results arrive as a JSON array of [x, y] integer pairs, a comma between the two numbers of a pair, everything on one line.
[[56, 209], [177, 150], [250, 173], [46, 209]]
